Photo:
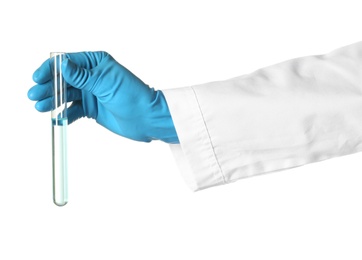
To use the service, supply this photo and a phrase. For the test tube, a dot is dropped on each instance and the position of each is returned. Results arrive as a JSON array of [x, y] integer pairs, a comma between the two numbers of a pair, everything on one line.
[[59, 130]]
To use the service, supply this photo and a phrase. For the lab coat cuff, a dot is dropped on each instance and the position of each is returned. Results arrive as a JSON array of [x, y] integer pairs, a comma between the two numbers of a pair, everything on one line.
[[195, 154]]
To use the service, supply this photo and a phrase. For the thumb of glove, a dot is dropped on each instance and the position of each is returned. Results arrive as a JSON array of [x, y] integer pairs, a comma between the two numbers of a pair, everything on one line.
[[76, 76]]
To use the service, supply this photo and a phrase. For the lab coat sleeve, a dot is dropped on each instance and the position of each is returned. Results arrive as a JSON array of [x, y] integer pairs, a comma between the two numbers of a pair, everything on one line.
[[286, 115]]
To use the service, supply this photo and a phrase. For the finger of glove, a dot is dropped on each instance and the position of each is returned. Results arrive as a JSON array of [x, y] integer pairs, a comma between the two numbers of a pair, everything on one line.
[[41, 91], [43, 73], [47, 104], [76, 76], [87, 60]]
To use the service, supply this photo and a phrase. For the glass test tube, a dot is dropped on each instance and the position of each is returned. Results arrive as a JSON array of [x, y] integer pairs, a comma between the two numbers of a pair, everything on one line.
[[59, 130]]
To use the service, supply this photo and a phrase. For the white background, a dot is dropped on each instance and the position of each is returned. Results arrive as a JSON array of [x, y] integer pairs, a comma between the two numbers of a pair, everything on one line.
[[127, 199]]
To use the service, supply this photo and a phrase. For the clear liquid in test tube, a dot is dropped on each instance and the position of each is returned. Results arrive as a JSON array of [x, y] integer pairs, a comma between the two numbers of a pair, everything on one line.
[[59, 122]]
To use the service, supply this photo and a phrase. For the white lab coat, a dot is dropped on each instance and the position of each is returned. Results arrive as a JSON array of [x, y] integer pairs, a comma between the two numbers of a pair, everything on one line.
[[296, 112]]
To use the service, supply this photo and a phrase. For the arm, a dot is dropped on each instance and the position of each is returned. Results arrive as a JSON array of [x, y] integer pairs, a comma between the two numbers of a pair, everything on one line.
[[293, 113]]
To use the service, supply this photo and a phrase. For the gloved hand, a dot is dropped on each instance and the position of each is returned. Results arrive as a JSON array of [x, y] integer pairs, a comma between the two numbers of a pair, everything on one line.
[[104, 90]]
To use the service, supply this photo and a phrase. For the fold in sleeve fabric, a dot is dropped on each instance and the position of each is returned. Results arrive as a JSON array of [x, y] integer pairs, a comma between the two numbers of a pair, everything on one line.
[[293, 113]]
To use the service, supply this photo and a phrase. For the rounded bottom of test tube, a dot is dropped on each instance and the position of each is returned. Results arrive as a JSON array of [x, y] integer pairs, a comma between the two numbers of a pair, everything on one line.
[[60, 204]]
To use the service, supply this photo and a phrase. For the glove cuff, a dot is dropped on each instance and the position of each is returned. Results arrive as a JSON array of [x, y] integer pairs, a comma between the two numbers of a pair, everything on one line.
[[160, 121]]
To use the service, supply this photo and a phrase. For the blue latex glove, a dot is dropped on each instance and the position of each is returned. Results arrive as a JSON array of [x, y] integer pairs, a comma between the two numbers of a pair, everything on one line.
[[104, 90]]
